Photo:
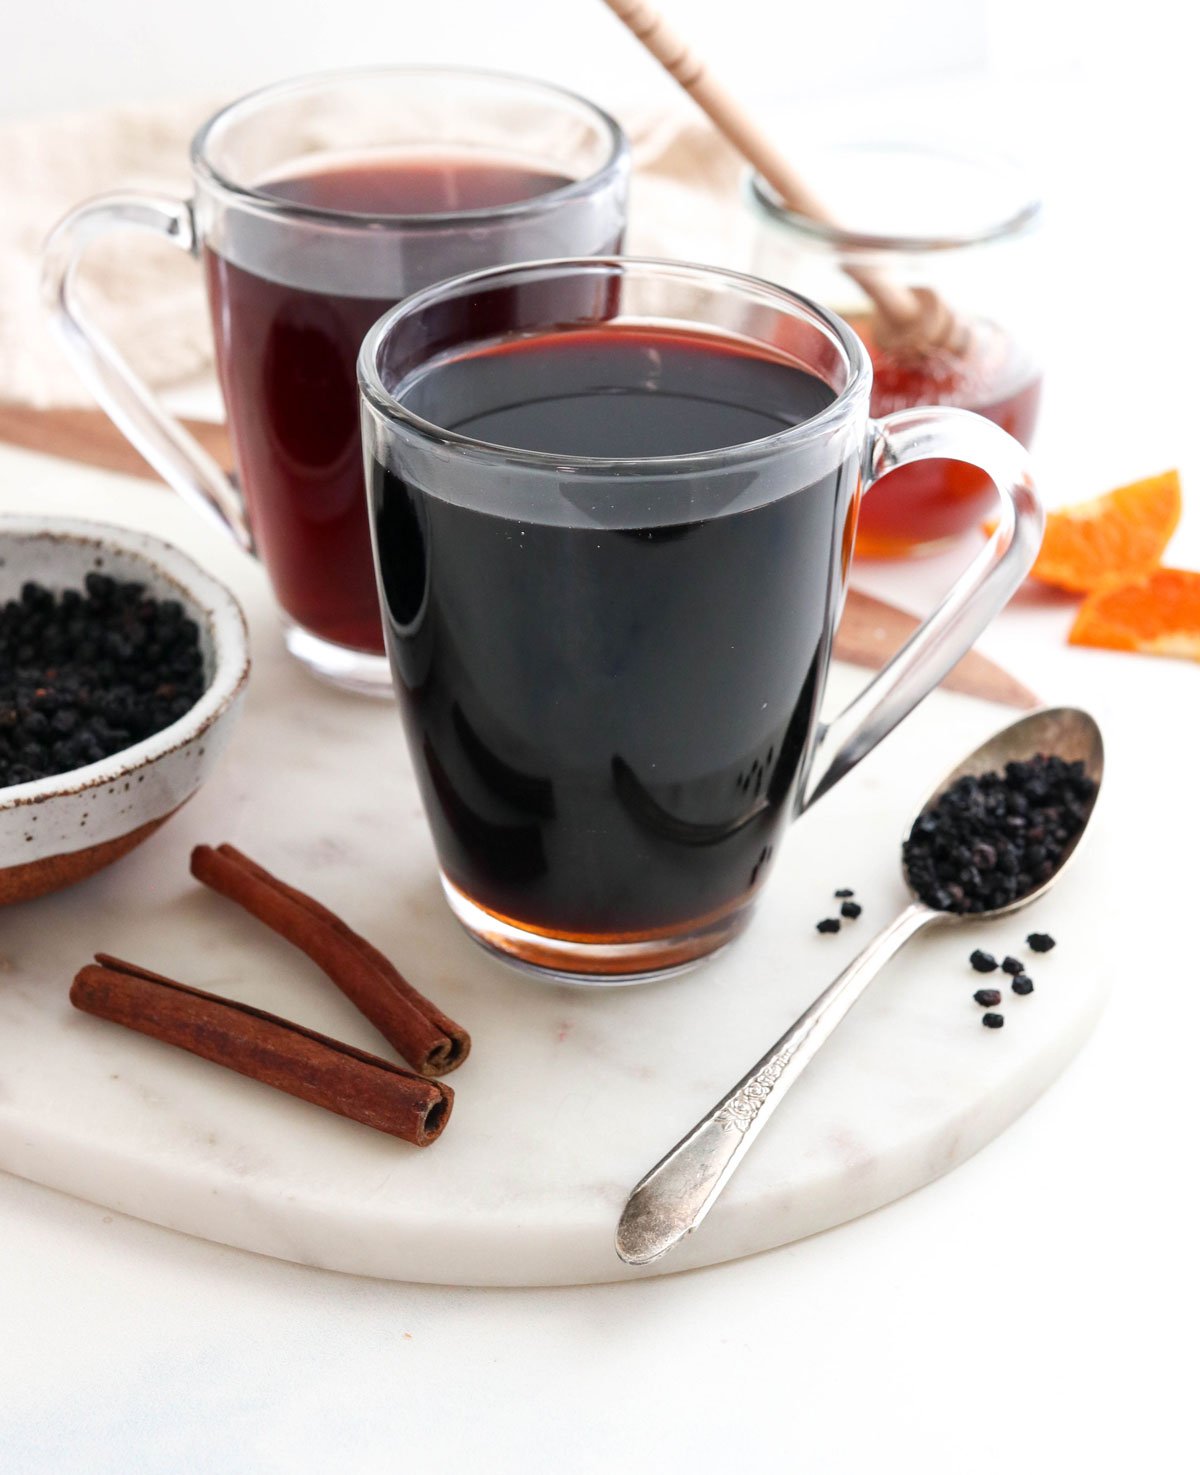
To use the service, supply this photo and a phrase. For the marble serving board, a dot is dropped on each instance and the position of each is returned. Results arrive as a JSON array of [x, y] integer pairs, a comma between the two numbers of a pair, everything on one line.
[[569, 1095]]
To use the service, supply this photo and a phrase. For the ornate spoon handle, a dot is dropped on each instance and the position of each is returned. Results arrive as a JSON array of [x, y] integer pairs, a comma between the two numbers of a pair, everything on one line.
[[674, 1196]]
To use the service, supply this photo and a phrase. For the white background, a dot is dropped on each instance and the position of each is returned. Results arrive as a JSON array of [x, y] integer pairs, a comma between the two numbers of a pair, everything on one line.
[[71, 54], [84, 53], [1033, 1312]]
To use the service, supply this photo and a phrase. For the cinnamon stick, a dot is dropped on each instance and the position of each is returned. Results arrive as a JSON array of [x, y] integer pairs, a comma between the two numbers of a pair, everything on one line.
[[264, 1047], [415, 1027]]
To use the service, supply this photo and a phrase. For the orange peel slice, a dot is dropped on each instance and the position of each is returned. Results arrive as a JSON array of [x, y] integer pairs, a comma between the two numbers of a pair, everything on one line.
[[1157, 615], [1111, 540]]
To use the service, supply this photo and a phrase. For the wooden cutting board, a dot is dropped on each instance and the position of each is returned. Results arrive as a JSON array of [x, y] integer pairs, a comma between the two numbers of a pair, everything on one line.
[[870, 632]]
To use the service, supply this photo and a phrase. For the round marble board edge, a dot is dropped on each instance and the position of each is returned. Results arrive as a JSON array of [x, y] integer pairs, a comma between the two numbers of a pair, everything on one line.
[[569, 1095]]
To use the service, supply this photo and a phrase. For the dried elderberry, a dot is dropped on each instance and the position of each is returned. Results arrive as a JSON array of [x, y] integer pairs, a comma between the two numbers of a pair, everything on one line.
[[85, 673], [829, 924], [993, 1021], [983, 962], [1040, 942], [1022, 984], [988, 997], [992, 838]]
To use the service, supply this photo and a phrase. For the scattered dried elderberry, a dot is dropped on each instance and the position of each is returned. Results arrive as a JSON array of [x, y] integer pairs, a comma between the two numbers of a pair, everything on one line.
[[829, 924], [85, 673], [988, 997], [1040, 942], [1013, 966], [1022, 984], [992, 838], [993, 1021], [851, 909], [843, 891], [983, 962]]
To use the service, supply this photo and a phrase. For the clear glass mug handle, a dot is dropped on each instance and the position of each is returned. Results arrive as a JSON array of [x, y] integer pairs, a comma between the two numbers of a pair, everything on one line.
[[177, 456], [972, 603]]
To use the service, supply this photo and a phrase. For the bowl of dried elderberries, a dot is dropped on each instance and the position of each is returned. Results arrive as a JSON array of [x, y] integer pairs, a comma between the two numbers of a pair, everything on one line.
[[122, 669]]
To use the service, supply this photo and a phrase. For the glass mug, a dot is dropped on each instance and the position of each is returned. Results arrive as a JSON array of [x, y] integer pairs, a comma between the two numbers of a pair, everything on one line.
[[612, 506], [318, 204], [967, 228]]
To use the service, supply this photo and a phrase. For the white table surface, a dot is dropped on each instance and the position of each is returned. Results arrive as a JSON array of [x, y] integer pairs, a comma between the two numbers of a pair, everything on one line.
[[1034, 1311]]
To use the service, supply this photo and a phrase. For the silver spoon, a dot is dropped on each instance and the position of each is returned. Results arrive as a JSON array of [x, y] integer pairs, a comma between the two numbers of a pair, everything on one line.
[[673, 1198]]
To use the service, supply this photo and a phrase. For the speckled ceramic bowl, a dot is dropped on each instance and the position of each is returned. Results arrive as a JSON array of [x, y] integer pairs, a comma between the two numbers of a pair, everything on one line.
[[55, 831]]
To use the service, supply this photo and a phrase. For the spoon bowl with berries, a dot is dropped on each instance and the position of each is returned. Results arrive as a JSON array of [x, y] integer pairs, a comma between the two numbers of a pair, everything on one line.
[[993, 836]]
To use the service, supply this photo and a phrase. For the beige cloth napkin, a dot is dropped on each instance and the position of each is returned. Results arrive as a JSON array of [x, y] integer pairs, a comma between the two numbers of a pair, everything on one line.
[[149, 298]]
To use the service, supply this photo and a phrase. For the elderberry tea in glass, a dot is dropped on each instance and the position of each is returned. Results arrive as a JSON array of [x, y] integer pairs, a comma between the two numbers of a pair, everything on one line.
[[612, 506], [318, 204]]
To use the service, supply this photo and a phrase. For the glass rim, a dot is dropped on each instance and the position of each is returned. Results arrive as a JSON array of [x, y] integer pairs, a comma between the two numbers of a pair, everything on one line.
[[839, 411], [1011, 225], [263, 200]]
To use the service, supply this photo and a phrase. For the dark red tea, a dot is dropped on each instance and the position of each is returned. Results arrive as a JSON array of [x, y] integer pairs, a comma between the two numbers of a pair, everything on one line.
[[286, 356], [931, 502], [608, 697]]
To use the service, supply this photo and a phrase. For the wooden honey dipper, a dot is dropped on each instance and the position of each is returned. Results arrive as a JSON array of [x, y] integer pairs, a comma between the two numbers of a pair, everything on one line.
[[912, 321]]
